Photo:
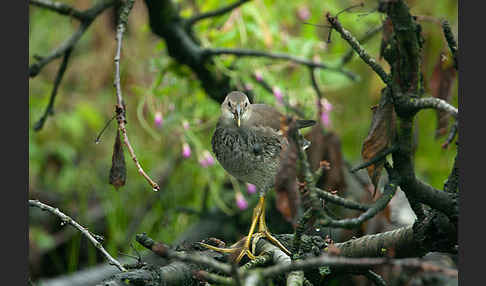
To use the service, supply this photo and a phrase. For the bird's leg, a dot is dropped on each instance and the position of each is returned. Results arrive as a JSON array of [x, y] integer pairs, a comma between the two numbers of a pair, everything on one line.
[[257, 211], [263, 229]]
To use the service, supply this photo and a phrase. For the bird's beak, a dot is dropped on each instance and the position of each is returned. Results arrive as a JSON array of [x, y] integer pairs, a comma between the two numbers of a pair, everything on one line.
[[238, 115]]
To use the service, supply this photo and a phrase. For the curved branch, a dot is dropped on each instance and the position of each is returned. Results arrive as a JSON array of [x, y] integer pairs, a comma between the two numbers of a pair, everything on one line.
[[66, 219], [433, 102], [218, 12], [378, 206], [209, 52]]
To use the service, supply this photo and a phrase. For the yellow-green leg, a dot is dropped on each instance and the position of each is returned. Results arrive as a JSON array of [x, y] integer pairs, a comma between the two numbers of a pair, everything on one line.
[[257, 211], [263, 229]]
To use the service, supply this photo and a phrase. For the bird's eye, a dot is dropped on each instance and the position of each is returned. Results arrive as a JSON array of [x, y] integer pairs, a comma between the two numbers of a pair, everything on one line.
[[229, 104], [246, 104]]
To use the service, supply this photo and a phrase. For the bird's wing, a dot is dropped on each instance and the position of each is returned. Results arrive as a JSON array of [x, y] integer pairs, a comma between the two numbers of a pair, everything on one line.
[[265, 115]]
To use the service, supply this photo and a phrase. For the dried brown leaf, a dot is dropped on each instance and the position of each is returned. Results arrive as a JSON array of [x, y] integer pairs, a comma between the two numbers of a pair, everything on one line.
[[441, 87], [288, 196], [325, 152], [380, 137], [118, 171]]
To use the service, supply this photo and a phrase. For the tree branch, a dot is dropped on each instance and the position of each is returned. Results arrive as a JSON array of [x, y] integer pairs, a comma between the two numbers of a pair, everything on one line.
[[210, 52], [451, 42], [50, 106], [88, 18], [120, 106], [61, 8], [368, 36], [335, 24], [193, 20], [66, 219]]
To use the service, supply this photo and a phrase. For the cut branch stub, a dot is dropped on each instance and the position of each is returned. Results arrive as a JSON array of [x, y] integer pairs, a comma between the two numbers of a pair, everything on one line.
[[380, 137], [118, 171], [441, 87]]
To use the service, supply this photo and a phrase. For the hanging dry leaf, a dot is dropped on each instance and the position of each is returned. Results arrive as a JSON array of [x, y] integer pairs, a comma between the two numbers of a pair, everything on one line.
[[118, 171], [288, 197], [326, 147], [380, 137], [441, 87], [386, 35]]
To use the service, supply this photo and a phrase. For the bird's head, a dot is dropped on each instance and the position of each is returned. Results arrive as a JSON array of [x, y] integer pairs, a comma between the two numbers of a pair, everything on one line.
[[235, 107]]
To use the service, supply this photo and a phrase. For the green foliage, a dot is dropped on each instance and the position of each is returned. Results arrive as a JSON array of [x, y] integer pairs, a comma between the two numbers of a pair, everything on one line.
[[65, 161]]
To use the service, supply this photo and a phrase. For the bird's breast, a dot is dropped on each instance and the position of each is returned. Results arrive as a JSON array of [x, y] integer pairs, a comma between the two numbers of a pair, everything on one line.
[[251, 154]]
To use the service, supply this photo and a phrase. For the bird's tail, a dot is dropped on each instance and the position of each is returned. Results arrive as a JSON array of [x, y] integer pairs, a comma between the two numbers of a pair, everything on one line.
[[305, 123]]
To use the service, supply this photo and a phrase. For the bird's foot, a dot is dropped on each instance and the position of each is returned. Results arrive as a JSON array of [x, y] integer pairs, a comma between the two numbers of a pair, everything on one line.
[[236, 251]]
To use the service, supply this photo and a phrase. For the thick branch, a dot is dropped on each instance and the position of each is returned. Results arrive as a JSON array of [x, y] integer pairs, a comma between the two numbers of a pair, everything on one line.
[[432, 102], [218, 12], [83, 230]]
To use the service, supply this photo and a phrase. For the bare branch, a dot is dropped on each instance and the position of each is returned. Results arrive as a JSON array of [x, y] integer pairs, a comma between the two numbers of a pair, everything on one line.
[[365, 38], [335, 261], [433, 102], [218, 12], [66, 219], [340, 201], [359, 49], [88, 17], [50, 106], [61, 8], [446, 28], [375, 159], [210, 52], [163, 250], [120, 106]]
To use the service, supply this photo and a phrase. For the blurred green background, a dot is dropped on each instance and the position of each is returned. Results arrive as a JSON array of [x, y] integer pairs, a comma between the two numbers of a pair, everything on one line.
[[70, 171]]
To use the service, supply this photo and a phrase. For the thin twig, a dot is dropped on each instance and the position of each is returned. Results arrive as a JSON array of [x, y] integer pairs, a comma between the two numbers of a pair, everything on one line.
[[60, 8], [452, 135], [337, 200], [381, 156], [209, 52], [89, 16], [375, 278], [378, 206], [66, 219], [218, 12], [50, 106], [120, 107], [359, 49]]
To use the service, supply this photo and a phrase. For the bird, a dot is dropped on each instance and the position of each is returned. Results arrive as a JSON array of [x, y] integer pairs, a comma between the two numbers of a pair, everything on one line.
[[248, 143]]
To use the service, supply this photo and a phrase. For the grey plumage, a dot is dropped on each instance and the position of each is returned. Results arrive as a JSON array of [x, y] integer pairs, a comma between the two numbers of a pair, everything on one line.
[[248, 142]]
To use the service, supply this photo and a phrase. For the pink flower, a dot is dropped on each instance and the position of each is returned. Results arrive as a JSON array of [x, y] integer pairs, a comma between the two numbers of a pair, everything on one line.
[[206, 159], [303, 13], [186, 150], [241, 202], [277, 93], [185, 125], [326, 111], [258, 75], [250, 188], [158, 120]]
